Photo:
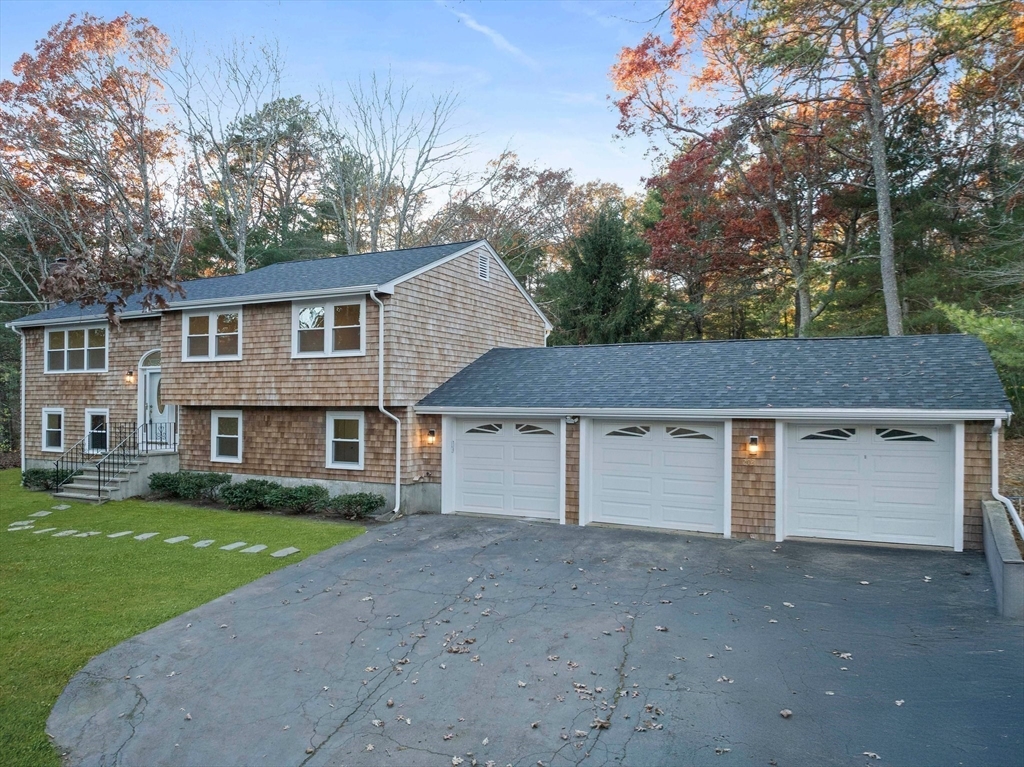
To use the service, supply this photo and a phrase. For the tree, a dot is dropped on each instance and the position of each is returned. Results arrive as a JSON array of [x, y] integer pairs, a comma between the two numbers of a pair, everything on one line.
[[93, 195], [602, 297]]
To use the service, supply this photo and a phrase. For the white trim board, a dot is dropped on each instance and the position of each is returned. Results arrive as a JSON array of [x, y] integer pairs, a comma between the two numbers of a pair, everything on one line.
[[852, 415]]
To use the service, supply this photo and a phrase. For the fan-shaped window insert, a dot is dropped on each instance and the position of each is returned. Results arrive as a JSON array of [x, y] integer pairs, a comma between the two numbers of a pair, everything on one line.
[[630, 431], [529, 428], [898, 435], [681, 432], [485, 428], [832, 434], [151, 360]]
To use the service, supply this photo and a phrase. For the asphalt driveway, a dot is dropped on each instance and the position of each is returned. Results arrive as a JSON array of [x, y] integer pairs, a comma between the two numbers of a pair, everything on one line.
[[494, 642]]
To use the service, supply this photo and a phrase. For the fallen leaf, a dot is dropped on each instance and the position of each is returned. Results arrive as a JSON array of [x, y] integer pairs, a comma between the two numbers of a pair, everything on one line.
[[552, 657], [377, 723], [660, 628], [789, 604], [366, 599], [456, 761], [871, 755], [310, 749], [865, 583], [601, 724], [188, 717], [785, 713], [722, 750], [390, 703], [449, 735], [580, 733], [485, 741], [772, 620], [534, 725], [370, 669], [521, 683], [900, 702]]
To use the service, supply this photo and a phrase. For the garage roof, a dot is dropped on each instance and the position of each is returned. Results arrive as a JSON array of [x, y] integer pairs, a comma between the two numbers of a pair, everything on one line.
[[935, 372]]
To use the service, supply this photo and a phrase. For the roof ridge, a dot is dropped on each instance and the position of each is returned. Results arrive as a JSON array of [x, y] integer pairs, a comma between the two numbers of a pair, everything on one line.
[[701, 341]]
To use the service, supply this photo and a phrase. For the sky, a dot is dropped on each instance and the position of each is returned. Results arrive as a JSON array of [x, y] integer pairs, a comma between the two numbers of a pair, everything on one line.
[[533, 76]]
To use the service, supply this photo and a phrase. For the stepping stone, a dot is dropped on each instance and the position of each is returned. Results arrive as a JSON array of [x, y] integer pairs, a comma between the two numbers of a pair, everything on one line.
[[44, 530], [233, 546], [22, 522], [16, 528], [253, 549], [285, 552], [202, 544], [89, 534], [61, 507], [64, 534], [145, 536], [177, 539], [118, 535], [41, 514]]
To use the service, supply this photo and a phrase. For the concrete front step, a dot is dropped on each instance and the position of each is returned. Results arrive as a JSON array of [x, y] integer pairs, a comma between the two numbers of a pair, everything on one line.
[[88, 498]]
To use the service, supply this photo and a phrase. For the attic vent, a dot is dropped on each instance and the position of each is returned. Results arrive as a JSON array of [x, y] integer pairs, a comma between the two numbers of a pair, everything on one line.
[[833, 434], [898, 435], [679, 432], [483, 265], [630, 431], [485, 428], [529, 428]]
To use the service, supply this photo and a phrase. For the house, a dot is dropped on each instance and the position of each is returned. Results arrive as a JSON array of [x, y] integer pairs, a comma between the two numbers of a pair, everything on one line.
[[277, 372], [884, 440], [423, 374]]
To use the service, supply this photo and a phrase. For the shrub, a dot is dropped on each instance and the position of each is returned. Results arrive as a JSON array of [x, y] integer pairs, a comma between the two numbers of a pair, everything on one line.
[[164, 482], [304, 499], [355, 504], [43, 479], [249, 495], [188, 484]]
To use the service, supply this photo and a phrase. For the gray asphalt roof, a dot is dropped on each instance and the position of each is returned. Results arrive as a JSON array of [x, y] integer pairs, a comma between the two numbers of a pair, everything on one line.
[[937, 372], [325, 274]]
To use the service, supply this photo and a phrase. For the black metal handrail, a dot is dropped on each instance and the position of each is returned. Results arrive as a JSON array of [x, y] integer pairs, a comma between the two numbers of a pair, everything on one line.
[[141, 440], [74, 458]]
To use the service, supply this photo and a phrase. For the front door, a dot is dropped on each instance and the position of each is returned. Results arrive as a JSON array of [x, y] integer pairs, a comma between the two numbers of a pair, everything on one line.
[[159, 415], [96, 428]]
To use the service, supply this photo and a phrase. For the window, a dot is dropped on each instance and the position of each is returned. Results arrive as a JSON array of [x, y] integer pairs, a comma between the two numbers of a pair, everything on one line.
[[328, 329], [226, 436], [96, 430], [899, 435], [344, 439], [483, 265], [53, 429], [681, 432], [76, 350], [485, 428], [832, 434], [630, 431], [212, 335], [529, 428]]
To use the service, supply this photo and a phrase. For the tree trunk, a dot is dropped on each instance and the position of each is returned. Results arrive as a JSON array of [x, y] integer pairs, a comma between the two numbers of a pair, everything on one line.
[[883, 198]]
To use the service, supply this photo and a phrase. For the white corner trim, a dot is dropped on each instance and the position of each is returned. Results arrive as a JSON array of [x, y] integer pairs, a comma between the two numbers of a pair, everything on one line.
[[958, 486], [780, 480], [447, 464], [584, 472], [727, 479], [561, 470]]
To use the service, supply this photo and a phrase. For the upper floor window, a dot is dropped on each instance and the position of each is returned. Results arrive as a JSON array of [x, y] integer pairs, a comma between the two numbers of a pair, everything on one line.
[[76, 350], [215, 335], [328, 329]]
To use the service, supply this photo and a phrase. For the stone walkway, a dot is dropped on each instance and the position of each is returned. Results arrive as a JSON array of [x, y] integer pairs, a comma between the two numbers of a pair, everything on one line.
[[56, 532]]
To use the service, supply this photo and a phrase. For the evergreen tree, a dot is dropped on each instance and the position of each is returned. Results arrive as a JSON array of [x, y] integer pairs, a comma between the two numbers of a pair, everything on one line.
[[604, 297]]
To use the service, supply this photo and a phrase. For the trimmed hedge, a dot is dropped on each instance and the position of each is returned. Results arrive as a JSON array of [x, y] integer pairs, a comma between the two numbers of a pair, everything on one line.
[[189, 485], [304, 499], [355, 504], [249, 495], [42, 479]]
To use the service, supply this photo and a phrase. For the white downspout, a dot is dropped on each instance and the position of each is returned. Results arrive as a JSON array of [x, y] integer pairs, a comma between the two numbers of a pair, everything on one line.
[[995, 479], [380, 401], [21, 427]]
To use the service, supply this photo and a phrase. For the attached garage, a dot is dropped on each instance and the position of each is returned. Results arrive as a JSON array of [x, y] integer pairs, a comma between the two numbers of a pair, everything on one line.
[[882, 483], [509, 468], [658, 474]]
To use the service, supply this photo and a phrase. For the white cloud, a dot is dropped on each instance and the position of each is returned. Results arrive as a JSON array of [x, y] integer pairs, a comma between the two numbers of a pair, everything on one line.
[[499, 40]]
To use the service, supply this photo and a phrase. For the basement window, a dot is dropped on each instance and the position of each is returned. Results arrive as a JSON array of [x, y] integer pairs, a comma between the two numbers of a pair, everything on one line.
[[344, 439], [226, 436], [53, 429]]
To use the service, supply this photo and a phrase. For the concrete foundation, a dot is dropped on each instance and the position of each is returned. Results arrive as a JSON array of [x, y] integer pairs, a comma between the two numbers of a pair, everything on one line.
[[1004, 561]]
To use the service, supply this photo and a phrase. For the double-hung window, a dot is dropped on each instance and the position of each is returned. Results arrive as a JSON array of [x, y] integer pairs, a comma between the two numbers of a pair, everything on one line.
[[215, 335], [76, 350], [328, 329], [344, 439], [226, 436], [53, 429]]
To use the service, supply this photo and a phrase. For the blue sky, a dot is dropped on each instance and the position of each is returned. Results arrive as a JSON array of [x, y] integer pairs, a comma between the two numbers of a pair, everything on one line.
[[532, 75]]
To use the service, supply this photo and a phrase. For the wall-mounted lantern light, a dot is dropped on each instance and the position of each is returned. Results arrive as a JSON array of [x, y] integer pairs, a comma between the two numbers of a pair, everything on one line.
[[431, 436], [129, 378], [753, 445]]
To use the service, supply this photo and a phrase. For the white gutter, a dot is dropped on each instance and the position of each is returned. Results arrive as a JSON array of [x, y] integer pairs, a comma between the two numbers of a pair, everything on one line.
[[380, 400], [995, 479], [850, 415]]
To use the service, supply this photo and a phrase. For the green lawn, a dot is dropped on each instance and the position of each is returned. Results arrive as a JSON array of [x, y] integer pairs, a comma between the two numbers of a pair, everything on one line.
[[65, 600]]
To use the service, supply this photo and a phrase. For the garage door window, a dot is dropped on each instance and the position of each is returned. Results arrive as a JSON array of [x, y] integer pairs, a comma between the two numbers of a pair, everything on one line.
[[630, 431], [529, 428], [832, 434], [679, 432], [898, 435], [485, 428]]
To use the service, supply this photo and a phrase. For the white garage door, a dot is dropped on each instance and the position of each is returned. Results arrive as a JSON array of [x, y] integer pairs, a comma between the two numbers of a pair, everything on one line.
[[884, 483], [507, 467], [659, 475]]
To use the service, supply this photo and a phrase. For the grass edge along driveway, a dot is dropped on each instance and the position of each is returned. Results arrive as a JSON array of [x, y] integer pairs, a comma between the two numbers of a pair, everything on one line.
[[65, 600]]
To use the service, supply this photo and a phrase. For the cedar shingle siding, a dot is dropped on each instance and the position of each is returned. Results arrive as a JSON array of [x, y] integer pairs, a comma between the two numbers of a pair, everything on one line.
[[753, 481]]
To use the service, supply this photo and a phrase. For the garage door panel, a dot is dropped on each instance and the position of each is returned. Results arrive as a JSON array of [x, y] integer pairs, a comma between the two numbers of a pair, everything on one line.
[[679, 490], [624, 513], [879, 483], [685, 518], [502, 469], [611, 456], [625, 484], [692, 460]]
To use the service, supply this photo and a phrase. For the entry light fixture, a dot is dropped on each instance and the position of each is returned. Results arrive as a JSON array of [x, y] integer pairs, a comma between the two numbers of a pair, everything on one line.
[[431, 436], [129, 377], [753, 445]]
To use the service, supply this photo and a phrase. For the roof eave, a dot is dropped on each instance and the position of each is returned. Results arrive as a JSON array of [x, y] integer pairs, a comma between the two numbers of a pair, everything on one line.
[[915, 415]]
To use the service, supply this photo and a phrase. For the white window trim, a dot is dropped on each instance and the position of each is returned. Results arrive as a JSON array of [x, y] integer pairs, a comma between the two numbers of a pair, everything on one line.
[[347, 415], [329, 305], [91, 411], [63, 429], [214, 416], [67, 329], [211, 335]]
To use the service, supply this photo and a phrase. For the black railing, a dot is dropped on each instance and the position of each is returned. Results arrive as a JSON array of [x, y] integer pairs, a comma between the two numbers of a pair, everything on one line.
[[141, 440], [129, 442]]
